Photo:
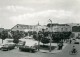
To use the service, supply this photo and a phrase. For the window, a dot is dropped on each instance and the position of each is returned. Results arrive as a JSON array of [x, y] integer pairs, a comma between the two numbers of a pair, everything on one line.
[[17, 26], [65, 29]]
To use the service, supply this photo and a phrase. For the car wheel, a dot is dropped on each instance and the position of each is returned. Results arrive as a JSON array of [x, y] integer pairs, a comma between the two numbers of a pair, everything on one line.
[[1, 49], [7, 49], [20, 49], [32, 51]]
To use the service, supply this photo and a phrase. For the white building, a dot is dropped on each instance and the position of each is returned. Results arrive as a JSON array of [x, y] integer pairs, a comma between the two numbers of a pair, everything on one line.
[[60, 28], [27, 28], [21, 27]]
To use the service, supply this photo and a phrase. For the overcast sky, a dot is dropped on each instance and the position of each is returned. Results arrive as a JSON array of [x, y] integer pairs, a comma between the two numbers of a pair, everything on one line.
[[30, 12]]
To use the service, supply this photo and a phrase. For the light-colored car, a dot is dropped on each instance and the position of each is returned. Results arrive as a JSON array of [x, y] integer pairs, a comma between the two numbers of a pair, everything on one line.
[[29, 46], [20, 43]]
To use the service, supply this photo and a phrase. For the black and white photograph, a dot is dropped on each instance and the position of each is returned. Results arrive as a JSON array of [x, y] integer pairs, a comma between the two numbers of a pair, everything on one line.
[[39, 28]]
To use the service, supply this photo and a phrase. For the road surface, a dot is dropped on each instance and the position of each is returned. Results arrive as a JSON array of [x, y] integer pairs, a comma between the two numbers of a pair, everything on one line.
[[64, 53]]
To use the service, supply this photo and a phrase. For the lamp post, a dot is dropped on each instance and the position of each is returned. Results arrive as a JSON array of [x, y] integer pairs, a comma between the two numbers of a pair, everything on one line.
[[50, 34], [38, 36]]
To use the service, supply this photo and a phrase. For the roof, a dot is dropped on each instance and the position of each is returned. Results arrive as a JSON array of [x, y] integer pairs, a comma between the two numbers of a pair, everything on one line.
[[23, 26]]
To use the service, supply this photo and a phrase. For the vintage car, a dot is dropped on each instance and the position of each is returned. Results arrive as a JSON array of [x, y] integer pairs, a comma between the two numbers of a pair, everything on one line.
[[20, 44], [29, 46], [8, 46], [1, 45], [77, 41]]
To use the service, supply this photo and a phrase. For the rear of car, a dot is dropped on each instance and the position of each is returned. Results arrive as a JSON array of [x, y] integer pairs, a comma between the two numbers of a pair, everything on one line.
[[32, 47], [28, 48]]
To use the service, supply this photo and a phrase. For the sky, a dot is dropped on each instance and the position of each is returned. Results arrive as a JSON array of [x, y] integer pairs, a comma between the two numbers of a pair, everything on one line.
[[30, 12]]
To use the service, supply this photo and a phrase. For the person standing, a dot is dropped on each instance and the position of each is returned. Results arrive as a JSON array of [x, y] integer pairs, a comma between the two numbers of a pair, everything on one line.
[[70, 41]]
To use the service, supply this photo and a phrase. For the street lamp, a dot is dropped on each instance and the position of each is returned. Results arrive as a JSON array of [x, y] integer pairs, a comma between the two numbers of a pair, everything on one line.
[[51, 34], [38, 35]]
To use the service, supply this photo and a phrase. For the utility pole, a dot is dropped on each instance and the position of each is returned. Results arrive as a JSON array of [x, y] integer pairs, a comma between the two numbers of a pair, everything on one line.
[[38, 36], [50, 34]]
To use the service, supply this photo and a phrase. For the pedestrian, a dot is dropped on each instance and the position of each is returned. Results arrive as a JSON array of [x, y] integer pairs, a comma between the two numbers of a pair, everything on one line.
[[70, 41], [59, 46]]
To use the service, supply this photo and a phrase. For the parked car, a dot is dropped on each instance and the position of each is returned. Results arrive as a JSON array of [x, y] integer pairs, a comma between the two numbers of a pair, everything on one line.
[[29, 46], [76, 42], [1, 45], [8, 46], [21, 44]]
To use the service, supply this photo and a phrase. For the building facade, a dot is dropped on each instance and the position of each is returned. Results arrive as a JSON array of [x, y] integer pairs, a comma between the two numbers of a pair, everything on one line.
[[53, 28], [21, 27], [76, 31], [27, 28], [60, 28]]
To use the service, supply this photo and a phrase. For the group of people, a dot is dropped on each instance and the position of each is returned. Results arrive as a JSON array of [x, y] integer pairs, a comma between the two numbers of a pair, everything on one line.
[[60, 46], [74, 50]]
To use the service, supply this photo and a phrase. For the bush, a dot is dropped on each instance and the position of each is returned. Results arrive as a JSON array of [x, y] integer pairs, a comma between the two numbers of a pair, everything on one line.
[[45, 40], [16, 41]]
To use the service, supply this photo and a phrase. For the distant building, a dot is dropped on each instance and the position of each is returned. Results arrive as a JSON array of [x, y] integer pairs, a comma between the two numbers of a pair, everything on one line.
[[76, 31], [27, 28], [38, 27], [21, 27], [74, 24], [59, 28]]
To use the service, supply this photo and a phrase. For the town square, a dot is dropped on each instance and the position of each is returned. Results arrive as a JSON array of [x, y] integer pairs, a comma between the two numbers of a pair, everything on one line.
[[39, 28]]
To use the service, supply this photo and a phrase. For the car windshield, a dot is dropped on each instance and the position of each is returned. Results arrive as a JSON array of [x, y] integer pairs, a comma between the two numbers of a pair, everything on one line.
[[6, 45]]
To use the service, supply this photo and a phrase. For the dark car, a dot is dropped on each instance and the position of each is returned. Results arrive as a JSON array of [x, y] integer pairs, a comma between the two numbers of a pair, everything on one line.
[[28, 47], [8, 46], [77, 41]]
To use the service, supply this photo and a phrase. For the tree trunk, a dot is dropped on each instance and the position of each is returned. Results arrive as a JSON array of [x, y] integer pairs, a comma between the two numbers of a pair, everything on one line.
[[38, 45], [2, 41]]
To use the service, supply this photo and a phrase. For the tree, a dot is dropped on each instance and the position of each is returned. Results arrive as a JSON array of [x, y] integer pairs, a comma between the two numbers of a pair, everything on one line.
[[58, 36], [4, 35], [34, 33], [17, 35], [30, 33], [45, 40], [35, 36], [72, 35], [39, 36]]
